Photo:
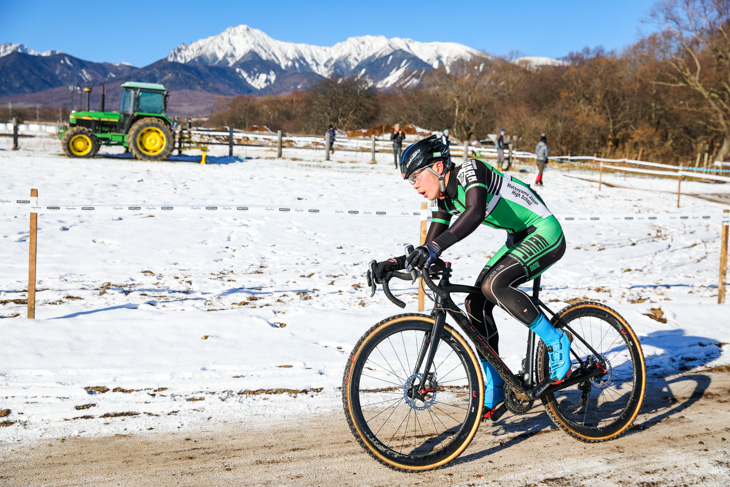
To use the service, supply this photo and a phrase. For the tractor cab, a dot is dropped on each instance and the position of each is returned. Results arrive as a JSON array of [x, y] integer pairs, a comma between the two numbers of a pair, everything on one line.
[[140, 100]]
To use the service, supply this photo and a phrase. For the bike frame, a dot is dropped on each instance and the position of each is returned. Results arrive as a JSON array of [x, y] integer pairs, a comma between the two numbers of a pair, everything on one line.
[[525, 388]]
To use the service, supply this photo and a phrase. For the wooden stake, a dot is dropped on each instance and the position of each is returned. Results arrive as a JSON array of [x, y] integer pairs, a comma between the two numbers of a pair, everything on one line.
[[679, 188], [723, 262], [33, 247], [600, 177], [421, 292]]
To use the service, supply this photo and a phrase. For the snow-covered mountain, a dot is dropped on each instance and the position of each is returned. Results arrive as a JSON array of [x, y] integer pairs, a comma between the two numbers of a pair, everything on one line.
[[532, 62], [8, 47], [260, 60]]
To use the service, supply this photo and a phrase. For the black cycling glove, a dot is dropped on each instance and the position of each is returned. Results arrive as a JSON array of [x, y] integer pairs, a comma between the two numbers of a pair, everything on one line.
[[384, 270], [423, 256]]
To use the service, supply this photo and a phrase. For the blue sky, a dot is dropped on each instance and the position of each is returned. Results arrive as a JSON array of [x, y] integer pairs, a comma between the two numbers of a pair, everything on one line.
[[142, 32]]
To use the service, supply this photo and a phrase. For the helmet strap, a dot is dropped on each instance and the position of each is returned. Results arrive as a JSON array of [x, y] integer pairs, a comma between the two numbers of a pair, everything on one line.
[[442, 182]]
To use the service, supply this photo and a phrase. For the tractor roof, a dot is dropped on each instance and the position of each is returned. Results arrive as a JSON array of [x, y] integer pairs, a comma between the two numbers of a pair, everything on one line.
[[144, 86]]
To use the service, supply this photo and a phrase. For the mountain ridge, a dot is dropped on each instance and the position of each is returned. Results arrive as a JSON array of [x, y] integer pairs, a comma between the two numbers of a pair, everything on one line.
[[240, 60]]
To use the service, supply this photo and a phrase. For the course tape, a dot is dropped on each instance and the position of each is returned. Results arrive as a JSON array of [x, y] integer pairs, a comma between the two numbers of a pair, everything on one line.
[[230, 210], [239, 210]]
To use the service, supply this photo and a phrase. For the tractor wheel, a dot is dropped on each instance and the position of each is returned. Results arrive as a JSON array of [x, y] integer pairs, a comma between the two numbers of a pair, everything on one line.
[[80, 142], [150, 139]]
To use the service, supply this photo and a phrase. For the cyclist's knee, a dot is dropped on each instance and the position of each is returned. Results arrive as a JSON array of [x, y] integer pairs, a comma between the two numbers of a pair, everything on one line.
[[491, 290]]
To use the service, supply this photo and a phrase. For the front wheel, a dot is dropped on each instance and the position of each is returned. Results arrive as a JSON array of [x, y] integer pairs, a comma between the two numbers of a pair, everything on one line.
[[402, 426], [80, 142], [603, 407]]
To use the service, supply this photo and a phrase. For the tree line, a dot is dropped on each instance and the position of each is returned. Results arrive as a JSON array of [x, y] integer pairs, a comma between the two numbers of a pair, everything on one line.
[[665, 98]]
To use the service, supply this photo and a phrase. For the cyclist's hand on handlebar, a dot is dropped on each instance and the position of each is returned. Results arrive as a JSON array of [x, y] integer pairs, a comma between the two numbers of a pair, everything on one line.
[[423, 256], [384, 270]]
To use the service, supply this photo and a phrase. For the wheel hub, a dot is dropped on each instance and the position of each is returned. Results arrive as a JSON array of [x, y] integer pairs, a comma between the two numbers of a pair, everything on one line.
[[606, 379], [419, 394], [151, 141], [80, 145]]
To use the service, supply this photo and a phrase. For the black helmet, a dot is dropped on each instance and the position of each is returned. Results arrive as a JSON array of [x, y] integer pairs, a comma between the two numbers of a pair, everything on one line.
[[423, 153]]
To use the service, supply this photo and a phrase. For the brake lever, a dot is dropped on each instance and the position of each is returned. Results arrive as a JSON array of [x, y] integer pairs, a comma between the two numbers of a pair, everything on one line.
[[414, 271], [371, 274]]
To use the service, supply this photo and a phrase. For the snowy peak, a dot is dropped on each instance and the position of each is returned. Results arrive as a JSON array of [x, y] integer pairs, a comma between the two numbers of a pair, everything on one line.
[[533, 62], [237, 46], [8, 47]]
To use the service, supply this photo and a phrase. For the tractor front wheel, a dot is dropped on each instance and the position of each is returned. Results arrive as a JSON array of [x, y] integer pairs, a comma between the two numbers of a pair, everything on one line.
[[80, 142], [150, 139]]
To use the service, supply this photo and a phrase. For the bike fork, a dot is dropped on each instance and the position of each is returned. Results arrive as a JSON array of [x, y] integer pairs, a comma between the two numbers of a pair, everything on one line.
[[428, 349]]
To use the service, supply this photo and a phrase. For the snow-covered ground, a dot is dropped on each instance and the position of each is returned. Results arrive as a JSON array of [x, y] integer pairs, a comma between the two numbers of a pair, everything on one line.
[[161, 321]]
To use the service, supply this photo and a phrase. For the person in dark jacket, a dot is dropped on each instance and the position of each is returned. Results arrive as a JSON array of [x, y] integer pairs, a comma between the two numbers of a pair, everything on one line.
[[541, 156], [331, 132], [397, 137], [500, 148]]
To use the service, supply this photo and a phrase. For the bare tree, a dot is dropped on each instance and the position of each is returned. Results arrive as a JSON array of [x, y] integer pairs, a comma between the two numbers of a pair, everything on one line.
[[463, 91], [348, 103], [697, 34]]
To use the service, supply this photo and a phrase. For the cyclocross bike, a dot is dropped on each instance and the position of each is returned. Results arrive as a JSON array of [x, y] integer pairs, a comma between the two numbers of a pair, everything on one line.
[[413, 389]]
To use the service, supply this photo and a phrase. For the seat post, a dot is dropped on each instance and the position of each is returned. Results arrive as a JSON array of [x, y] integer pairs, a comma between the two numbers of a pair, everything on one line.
[[536, 287]]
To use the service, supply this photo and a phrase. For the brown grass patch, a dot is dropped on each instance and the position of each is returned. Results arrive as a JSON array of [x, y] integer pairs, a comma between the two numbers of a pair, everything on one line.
[[656, 314], [293, 392], [99, 389], [119, 415]]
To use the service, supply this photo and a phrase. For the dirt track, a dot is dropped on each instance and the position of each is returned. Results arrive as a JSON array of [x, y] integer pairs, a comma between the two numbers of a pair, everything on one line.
[[682, 437]]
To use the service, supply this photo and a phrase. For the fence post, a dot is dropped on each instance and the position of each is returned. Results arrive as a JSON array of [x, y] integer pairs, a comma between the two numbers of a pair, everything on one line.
[[230, 141], [466, 150], [600, 177], [372, 139], [279, 144], [33, 248], [511, 151], [15, 133], [422, 239], [723, 261], [327, 145], [679, 185]]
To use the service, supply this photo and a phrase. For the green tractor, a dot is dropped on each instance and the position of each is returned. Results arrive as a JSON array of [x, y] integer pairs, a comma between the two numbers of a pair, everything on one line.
[[141, 125]]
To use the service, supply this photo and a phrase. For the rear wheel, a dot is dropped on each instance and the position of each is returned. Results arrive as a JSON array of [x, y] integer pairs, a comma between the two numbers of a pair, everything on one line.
[[603, 407], [150, 139], [80, 142], [399, 425]]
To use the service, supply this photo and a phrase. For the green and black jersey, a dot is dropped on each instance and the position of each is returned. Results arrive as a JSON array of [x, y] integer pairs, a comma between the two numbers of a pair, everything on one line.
[[480, 194]]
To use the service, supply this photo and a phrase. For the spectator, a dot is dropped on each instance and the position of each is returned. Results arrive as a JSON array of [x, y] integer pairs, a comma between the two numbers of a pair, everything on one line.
[[541, 156], [397, 137], [500, 148], [331, 131], [445, 138]]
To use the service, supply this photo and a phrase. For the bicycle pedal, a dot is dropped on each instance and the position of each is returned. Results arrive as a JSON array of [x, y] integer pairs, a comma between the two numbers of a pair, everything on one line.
[[495, 413]]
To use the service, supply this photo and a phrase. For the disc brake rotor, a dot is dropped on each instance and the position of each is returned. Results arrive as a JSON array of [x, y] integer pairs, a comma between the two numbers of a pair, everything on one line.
[[419, 399]]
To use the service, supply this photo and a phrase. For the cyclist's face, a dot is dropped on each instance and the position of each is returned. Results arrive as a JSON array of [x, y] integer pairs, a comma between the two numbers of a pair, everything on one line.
[[427, 183]]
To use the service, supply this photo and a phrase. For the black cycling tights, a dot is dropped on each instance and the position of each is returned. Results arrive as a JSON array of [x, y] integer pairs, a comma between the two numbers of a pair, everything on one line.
[[499, 287]]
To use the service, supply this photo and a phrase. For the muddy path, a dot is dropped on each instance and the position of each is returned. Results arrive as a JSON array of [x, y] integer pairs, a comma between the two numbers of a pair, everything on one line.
[[682, 437]]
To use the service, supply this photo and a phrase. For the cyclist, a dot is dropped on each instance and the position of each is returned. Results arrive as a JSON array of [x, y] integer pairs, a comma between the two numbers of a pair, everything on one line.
[[480, 194]]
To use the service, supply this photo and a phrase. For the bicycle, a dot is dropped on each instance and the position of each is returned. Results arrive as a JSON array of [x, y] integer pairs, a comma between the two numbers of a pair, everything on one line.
[[413, 389]]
